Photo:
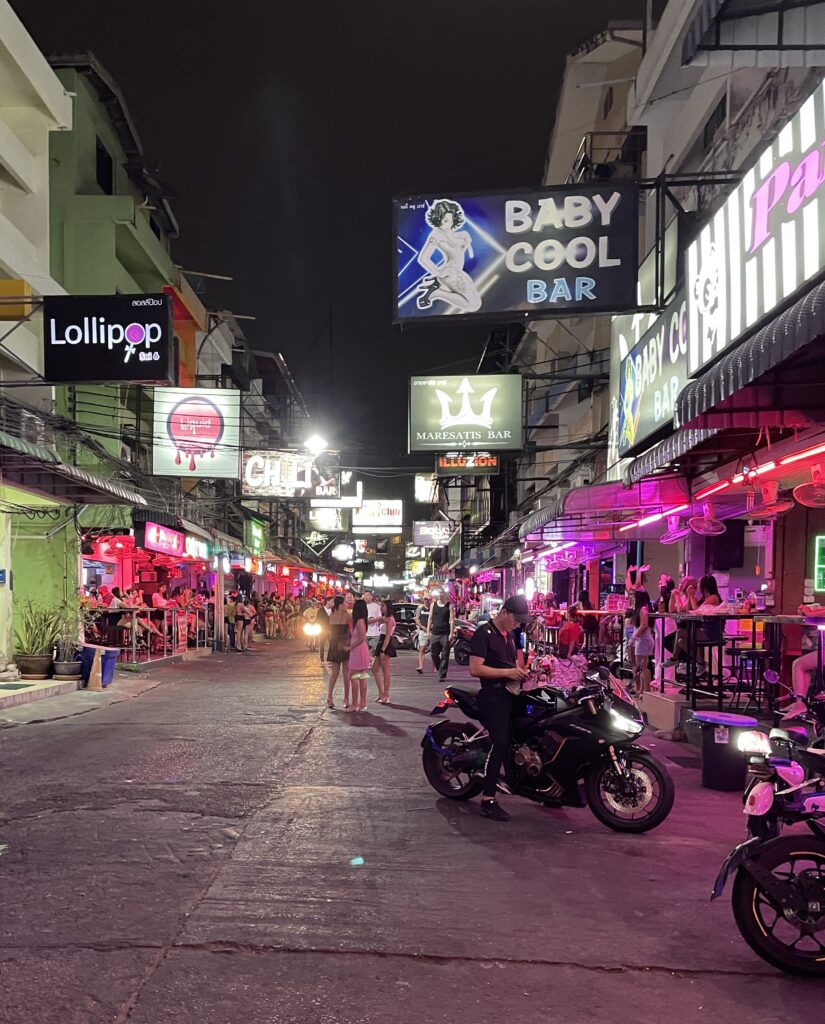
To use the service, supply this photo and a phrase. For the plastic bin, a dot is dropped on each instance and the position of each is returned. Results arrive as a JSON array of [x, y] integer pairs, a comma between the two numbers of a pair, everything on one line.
[[723, 765], [107, 668]]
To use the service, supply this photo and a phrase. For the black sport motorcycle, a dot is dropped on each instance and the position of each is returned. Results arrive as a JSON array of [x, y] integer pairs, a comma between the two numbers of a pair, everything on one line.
[[464, 633], [559, 739], [779, 879]]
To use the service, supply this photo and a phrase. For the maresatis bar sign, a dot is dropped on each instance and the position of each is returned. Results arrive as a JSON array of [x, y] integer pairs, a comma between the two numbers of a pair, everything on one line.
[[459, 413], [557, 251], [108, 338], [467, 464]]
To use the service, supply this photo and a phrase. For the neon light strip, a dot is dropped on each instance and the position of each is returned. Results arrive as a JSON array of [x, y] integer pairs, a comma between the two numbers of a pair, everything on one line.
[[713, 489], [799, 456]]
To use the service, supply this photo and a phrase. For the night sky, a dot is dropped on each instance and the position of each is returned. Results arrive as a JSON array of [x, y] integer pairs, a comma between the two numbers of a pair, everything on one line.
[[285, 131]]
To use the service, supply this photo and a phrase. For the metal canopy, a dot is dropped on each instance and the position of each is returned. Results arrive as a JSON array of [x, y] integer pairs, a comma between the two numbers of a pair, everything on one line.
[[35, 468], [764, 33], [594, 513], [782, 338]]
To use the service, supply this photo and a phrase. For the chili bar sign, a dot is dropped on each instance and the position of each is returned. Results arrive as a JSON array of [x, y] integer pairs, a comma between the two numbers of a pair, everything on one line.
[[557, 251]]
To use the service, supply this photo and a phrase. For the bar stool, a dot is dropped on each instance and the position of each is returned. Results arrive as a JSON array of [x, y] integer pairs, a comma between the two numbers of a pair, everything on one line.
[[715, 676], [751, 677]]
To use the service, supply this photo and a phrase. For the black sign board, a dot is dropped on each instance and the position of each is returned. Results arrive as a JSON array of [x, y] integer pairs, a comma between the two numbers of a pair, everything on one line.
[[108, 338], [467, 464]]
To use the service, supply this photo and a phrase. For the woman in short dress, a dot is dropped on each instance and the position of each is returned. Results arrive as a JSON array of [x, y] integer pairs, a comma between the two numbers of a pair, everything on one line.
[[384, 653], [643, 639], [359, 656], [338, 653]]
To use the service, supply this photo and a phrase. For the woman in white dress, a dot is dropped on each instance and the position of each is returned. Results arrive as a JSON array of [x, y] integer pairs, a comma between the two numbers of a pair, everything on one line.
[[447, 281]]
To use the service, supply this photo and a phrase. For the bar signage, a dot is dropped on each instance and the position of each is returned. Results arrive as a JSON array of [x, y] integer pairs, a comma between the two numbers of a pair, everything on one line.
[[467, 464], [557, 251], [652, 373], [162, 539], [432, 534], [765, 243], [475, 413], [122, 338]]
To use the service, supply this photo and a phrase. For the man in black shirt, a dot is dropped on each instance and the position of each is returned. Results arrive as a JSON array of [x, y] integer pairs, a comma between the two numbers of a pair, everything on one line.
[[440, 629], [493, 663]]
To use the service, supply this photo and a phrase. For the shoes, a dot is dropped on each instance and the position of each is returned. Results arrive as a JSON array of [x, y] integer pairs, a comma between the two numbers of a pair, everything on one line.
[[797, 709], [420, 671], [492, 809], [331, 705]]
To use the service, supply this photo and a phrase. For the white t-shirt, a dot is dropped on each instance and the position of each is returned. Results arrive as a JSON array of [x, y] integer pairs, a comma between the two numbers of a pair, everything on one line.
[[374, 612], [158, 600]]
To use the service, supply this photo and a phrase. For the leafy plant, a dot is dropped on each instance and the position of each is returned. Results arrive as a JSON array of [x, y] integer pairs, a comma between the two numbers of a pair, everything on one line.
[[75, 617], [37, 628]]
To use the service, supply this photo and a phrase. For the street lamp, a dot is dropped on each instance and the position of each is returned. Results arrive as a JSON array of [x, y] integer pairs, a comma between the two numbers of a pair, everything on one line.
[[315, 444], [473, 570]]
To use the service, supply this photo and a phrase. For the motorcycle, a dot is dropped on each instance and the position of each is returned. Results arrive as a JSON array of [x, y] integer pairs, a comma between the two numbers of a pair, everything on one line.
[[464, 632], [778, 896], [559, 739]]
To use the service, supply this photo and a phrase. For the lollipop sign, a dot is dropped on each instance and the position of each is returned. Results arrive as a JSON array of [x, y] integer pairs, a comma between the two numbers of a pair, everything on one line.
[[196, 433]]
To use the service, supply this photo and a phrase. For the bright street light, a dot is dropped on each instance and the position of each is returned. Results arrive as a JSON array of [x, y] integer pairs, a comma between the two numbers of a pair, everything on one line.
[[315, 444]]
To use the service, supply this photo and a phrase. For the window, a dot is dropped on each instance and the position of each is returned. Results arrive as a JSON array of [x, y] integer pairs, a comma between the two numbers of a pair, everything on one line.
[[607, 102], [104, 169], [714, 123]]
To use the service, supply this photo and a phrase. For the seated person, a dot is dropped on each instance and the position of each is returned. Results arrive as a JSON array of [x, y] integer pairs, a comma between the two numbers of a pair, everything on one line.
[[571, 636], [803, 668]]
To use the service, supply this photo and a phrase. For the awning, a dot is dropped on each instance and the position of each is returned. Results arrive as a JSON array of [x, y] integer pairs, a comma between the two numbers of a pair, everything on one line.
[[34, 467], [665, 453], [778, 341], [593, 512], [702, 21]]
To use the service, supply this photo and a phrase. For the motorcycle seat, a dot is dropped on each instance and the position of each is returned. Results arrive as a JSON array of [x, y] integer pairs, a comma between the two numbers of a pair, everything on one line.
[[466, 694], [791, 734]]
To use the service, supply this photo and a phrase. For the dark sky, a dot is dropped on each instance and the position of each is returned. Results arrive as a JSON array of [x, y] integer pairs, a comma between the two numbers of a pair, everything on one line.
[[287, 128]]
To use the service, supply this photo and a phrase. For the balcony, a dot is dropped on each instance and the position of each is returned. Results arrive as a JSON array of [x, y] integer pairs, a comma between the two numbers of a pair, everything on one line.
[[605, 155]]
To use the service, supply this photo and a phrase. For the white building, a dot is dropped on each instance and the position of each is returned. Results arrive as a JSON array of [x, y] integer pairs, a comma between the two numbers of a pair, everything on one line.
[[32, 104]]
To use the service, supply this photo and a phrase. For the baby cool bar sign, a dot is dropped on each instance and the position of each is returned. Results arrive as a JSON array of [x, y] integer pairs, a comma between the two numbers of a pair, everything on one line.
[[557, 251], [108, 338]]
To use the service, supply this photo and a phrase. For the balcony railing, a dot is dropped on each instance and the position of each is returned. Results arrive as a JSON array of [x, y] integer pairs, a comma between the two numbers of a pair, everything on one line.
[[605, 155]]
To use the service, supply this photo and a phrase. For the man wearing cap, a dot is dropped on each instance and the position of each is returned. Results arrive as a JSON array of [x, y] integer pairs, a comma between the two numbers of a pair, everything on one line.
[[493, 663]]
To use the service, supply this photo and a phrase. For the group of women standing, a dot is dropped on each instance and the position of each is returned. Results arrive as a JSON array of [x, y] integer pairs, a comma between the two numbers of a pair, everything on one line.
[[350, 654]]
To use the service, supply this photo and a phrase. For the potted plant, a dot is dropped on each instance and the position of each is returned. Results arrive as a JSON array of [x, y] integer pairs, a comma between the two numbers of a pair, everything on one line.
[[37, 629], [74, 616]]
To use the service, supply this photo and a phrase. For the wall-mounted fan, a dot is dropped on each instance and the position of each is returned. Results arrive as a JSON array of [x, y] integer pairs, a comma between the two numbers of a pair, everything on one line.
[[770, 504], [706, 525], [676, 531], [812, 495]]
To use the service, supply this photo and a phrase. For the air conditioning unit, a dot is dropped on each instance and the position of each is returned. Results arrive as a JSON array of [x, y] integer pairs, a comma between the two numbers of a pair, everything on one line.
[[32, 428], [581, 480]]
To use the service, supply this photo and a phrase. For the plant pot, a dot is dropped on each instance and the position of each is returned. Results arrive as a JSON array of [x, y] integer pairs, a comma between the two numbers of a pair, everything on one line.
[[34, 666], [67, 669]]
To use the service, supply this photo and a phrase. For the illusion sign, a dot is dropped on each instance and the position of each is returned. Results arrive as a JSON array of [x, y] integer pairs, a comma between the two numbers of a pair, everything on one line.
[[451, 413], [559, 251]]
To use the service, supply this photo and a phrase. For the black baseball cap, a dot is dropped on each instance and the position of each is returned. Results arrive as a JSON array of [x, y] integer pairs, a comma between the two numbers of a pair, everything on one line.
[[517, 606]]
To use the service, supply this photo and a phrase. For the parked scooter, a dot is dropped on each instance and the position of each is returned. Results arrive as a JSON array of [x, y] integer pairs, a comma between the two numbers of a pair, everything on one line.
[[779, 885], [464, 632]]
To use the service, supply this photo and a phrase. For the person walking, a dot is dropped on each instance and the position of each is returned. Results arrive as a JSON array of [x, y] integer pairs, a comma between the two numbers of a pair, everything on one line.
[[422, 615], [229, 616], [440, 628], [359, 656], [373, 621], [493, 663], [381, 667], [324, 609], [240, 623], [338, 654]]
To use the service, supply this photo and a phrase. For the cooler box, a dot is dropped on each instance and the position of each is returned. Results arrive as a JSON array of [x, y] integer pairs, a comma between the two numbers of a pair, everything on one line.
[[107, 669]]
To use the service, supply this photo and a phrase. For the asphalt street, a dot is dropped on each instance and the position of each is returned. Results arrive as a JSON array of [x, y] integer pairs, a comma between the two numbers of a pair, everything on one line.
[[223, 848]]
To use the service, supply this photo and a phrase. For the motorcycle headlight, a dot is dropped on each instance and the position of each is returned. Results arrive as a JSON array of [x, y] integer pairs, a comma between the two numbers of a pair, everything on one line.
[[623, 722], [754, 742]]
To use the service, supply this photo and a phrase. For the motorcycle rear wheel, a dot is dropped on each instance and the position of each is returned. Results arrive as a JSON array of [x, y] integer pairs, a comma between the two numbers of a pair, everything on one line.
[[782, 943], [650, 779], [454, 785]]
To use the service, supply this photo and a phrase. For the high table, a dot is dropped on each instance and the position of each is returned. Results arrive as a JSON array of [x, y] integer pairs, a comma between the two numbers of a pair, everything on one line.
[[616, 614], [693, 620]]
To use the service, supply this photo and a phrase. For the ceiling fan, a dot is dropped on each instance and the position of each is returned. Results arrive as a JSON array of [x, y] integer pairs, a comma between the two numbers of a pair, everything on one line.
[[676, 531], [812, 495], [706, 525], [771, 504]]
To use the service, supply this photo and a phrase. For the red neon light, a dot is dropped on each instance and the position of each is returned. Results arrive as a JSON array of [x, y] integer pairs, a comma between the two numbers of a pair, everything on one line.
[[653, 518], [764, 469], [713, 489], [806, 454], [160, 538]]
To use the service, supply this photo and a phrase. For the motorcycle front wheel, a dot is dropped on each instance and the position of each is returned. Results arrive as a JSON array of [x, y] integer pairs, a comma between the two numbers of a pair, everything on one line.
[[636, 800], [457, 785], [795, 943]]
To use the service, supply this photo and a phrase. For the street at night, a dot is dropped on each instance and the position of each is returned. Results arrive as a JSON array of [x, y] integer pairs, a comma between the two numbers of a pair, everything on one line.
[[223, 848]]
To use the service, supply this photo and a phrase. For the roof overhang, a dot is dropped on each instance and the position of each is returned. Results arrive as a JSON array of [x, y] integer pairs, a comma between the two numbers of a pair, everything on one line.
[[756, 33]]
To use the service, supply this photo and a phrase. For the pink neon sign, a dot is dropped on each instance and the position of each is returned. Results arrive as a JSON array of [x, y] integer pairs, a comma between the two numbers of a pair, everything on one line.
[[162, 539]]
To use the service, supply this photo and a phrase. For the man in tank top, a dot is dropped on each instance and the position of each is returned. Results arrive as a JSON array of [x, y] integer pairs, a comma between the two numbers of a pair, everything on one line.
[[440, 629]]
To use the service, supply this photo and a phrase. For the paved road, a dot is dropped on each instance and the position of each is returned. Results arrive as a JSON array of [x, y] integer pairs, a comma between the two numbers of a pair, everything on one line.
[[194, 855]]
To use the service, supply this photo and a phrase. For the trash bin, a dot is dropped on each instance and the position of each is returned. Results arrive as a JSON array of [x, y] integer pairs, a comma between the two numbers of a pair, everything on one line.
[[723, 765], [108, 659]]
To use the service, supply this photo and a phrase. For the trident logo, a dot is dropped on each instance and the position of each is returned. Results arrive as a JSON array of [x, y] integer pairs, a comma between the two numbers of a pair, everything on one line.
[[467, 417]]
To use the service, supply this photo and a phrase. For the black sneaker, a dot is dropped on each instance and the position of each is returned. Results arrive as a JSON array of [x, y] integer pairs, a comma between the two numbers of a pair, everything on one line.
[[493, 809]]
